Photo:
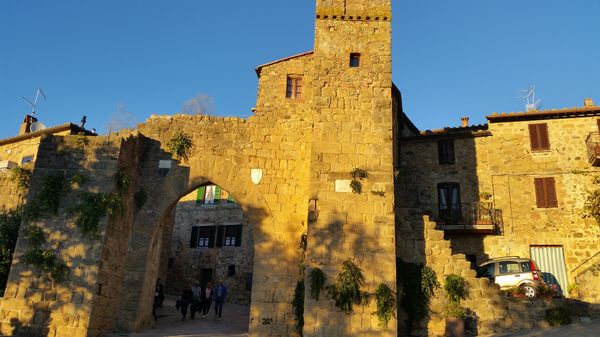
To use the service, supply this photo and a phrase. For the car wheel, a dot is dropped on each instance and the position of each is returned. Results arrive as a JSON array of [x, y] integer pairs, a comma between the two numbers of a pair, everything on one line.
[[529, 290]]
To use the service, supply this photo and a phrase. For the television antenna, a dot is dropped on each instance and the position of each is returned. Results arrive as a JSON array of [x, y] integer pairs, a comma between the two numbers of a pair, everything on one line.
[[528, 95], [37, 96]]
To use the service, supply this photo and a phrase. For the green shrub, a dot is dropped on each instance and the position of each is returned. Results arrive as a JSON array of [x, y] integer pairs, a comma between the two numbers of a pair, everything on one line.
[[180, 145], [418, 283], [558, 316], [456, 290]]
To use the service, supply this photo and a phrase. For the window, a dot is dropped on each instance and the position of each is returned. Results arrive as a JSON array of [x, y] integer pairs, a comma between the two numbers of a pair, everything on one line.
[[212, 194], [354, 60], [294, 87], [449, 202], [446, 151], [26, 160], [509, 267], [233, 236], [545, 192], [538, 136], [231, 270], [202, 236], [248, 281]]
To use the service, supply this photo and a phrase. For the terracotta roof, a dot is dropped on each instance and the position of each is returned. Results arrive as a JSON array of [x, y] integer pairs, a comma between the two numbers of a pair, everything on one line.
[[259, 68], [544, 114], [479, 130], [52, 130]]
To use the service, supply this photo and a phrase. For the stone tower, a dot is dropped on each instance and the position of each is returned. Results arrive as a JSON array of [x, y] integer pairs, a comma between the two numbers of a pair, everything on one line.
[[352, 104]]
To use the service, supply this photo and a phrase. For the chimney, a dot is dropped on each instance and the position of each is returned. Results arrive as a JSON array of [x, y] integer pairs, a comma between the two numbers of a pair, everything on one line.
[[464, 121], [588, 102], [26, 126]]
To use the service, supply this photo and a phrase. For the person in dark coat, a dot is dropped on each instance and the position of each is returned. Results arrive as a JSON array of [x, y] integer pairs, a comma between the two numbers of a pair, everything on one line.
[[220, 292], [186, 300]]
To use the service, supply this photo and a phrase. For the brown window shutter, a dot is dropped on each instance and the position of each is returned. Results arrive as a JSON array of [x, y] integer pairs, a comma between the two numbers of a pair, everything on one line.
[[551, 200], [598, 122], [533, 137], [540, 196], [544, 140]]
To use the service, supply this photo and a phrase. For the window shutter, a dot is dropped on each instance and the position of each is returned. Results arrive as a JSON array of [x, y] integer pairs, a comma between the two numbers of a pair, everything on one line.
[[598, 122], [217, 194], [289, 90], [238, 235], [533, 137], [451, 151], [200, 195], [544, 141], [211, 238], [441, 152], [298, 87], [220, 232], [551, 200], [540, 196], [194, 238]]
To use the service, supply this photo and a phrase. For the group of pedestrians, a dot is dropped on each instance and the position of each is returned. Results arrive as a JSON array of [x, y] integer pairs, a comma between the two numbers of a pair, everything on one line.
[[199, 299]]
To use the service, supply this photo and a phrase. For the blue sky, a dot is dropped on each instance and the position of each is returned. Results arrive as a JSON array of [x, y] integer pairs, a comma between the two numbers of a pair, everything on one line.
[[128, 59]]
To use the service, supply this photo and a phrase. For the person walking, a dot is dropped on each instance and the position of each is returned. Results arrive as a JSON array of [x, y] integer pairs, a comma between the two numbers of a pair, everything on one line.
[[195, 304], [207, 297], [186, 300], [220, 296], [160, 293]]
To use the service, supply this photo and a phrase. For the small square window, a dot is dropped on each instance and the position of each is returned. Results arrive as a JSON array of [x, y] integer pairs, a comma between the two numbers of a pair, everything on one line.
[[354, 60]]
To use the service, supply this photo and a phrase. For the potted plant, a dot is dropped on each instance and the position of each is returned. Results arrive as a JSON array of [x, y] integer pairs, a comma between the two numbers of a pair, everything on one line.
[[456, 290]]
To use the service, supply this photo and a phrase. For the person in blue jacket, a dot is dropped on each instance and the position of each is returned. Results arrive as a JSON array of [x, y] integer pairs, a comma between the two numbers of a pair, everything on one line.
[[220, 294]]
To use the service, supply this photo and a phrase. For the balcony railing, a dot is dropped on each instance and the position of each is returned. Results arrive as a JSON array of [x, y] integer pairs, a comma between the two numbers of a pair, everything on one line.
[[474, 217], [592, 143]]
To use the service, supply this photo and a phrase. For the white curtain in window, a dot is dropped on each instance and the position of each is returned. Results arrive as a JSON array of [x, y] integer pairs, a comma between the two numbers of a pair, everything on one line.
[[209, 196]]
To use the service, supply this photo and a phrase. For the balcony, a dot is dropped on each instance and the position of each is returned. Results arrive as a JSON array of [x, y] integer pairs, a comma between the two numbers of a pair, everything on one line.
[[469, 218], [592, 143]]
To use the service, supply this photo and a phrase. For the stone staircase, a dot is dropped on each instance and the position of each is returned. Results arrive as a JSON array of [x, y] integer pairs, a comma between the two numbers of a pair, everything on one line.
[[489, 311]]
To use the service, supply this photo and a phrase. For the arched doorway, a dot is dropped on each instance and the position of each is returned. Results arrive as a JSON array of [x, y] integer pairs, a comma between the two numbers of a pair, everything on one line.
[[144, 253]]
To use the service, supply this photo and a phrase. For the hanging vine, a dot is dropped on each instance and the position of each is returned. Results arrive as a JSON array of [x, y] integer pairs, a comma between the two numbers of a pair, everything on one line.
[[386, 304], [346, 291], [45, 260], [21, 176], [317, 282]]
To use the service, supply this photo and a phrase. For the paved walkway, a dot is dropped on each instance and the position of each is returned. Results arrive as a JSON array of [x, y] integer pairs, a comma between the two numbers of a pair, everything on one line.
[[588, 329], [234, 323]]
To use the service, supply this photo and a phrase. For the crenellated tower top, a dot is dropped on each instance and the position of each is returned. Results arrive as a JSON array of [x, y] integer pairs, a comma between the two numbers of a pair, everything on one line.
[[355, 9]]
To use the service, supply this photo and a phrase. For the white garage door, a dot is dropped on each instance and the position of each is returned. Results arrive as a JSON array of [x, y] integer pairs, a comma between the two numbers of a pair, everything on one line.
[[551, 261]]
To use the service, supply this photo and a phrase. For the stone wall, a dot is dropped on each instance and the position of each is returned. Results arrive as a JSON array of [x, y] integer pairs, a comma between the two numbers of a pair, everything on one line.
[[32, 302]]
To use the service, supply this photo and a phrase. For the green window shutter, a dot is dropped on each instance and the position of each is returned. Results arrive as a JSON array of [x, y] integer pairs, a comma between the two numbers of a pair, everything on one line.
[[211, 238], [220, 234], [194, 237], [200, 195], [217, 194], [238, 235]]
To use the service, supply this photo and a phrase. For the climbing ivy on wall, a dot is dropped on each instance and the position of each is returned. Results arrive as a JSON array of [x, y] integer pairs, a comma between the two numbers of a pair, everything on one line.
[[386, 304], [91, 207], [10, 221], [47, 200], [21, 176], [45, 260], [591, 207]]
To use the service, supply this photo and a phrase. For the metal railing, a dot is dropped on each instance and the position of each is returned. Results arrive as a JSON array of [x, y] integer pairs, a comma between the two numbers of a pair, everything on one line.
[[592, 143], [473, 216]]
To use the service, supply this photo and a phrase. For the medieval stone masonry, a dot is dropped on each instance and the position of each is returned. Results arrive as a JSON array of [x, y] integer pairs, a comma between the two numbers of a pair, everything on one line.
[[329, 169]]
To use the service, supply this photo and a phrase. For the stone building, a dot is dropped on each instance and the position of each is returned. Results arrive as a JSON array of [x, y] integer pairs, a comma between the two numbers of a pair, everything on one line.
[[516, 186], [211, 241]]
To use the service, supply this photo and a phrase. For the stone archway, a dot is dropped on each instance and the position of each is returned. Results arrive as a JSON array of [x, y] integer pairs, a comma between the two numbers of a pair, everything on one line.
[[198, 171]]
